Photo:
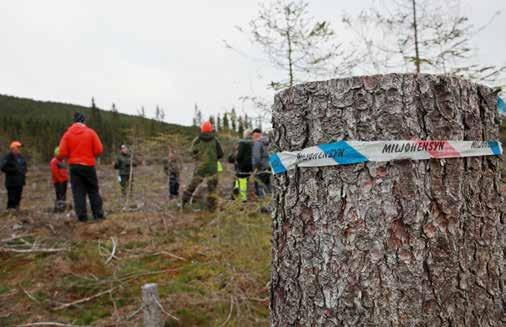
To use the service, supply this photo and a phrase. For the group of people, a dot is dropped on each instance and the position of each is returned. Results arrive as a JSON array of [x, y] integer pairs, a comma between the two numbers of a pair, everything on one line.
[[78, 149], [250, 158], [75, 158]]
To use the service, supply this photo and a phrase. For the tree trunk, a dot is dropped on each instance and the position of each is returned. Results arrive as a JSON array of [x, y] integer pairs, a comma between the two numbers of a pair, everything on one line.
[[405, 243], [415, 32]]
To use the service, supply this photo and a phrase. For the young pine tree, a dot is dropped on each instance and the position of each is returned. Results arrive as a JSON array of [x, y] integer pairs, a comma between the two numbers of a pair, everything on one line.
[[226, 123]]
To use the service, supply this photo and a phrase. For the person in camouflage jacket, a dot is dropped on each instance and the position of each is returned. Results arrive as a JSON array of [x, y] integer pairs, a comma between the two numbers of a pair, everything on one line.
[[206, 150], [124, 164]]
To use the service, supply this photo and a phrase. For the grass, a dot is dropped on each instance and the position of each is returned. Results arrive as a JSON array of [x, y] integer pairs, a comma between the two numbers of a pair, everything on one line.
[[3, 289], [211, 269]]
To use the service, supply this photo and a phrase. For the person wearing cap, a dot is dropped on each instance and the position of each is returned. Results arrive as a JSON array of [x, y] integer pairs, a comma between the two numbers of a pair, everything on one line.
[[14, 166], [125, 163], [60, 178], [80, 145], [206, 150]]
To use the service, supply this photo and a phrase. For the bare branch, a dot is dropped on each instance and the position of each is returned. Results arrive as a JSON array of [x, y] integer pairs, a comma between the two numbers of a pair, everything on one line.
[[230, 312], [29, 295], [86, 299], [135, 313], [113, 251], [34, 250], [432, 36], [296, 43], [173, 255], [10, 239], [163, 310]]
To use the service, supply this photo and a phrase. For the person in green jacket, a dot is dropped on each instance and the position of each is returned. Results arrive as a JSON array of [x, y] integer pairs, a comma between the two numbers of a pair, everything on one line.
[[124, 164], [206, 150]]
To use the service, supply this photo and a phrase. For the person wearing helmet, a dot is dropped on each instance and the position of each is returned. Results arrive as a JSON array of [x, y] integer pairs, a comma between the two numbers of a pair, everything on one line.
[[206, 150], [125, 162], [60, 178], [81, 145], [14, 166]]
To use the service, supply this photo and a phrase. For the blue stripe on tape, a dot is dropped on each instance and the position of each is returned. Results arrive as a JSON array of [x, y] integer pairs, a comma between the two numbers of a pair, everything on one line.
[[342, 153], [276, 164], [501, 106], [494, 146]]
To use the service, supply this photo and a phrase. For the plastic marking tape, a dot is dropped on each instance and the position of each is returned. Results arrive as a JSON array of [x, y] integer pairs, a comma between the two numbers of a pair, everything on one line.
[[353, 152], [501, 106]]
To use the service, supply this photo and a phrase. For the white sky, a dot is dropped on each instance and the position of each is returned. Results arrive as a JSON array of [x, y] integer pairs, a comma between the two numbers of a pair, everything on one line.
[[160, 52]]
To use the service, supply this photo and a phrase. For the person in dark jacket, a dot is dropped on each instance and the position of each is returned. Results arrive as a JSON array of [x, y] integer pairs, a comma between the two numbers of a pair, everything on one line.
[[172, 168], [235, 183], [60, 178], [81, 145], [125, 163], [260, 163], [14, 166], [206, 150], [243, 165]]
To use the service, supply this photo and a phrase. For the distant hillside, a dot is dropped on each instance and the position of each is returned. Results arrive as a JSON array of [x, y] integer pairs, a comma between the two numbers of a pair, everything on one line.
[[40, 125]]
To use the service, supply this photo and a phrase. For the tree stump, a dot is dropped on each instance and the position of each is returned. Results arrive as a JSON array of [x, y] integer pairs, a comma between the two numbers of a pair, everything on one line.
[[151, 306], [405, 243]]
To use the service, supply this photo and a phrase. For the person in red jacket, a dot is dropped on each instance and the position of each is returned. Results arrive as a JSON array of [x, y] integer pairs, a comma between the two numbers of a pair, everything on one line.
[[80, 145], [60, 179]]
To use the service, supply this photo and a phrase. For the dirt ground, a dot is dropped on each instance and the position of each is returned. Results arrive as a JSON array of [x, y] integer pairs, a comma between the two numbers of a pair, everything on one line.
[[211, 269]]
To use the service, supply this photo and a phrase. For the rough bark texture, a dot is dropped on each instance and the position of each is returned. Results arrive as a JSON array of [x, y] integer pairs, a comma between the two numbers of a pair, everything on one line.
[[406, 243]]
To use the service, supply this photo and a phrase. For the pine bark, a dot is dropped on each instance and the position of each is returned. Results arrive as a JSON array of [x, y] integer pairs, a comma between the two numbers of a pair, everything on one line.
[[405, 243]]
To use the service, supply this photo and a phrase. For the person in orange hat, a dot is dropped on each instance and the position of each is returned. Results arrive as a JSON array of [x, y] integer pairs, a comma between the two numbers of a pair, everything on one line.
[[206, 150], [14, 166]]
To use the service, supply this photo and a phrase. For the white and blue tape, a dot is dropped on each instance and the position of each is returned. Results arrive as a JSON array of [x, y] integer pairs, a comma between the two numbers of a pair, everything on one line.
[[501, 106], [353, 152]]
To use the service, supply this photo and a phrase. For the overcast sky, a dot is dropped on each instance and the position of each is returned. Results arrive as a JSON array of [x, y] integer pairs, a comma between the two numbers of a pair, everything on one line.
[[160, 52]]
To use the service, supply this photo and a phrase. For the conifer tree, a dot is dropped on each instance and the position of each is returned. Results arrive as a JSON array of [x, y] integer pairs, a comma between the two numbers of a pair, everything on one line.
[[226, 123], [233, 120], [218, 123], [240, 126]]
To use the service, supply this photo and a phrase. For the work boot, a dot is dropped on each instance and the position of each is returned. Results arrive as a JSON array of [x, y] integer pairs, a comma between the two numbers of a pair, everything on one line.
[[60, 207], [211, 205], [211, 202], [11, 211]]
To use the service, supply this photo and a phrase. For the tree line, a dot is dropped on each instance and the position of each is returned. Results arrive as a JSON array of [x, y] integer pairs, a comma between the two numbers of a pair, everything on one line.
[[228, 121], [40, 125]]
